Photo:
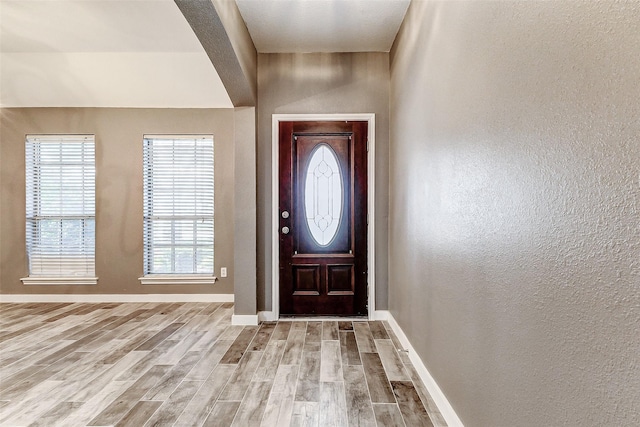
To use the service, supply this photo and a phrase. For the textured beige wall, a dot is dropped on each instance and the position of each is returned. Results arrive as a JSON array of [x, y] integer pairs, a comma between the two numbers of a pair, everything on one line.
[[245, 211], [322, 83], [118, 191], [515, 207]]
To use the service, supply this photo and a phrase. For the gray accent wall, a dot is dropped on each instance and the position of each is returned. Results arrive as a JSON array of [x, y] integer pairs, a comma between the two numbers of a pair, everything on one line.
[[322, 83], [118, 135], [514, 250]]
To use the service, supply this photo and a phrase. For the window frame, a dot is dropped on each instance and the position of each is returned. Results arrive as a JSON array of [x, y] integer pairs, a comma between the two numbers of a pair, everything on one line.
[[35, 218], [151, 217]]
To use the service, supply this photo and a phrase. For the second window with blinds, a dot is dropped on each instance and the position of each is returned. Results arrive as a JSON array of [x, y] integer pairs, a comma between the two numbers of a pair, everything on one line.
[[178, 209]]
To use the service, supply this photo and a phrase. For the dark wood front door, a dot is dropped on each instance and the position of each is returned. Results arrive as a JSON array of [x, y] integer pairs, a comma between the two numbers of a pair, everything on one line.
[[323, 218]]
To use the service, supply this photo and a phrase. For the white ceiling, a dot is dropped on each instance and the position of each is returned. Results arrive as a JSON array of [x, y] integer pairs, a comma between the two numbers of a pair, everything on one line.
[[143, 53], [103, 53], [323, 25]]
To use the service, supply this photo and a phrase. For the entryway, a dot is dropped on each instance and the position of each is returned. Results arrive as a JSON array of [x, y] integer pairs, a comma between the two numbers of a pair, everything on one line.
[[322, 241]]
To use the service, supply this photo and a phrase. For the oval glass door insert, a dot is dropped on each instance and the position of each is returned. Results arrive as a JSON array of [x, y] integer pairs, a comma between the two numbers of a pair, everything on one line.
[[323, 194]]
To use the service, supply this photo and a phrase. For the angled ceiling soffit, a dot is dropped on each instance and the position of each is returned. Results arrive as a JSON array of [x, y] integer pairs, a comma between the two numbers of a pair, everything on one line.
[[235, 68]]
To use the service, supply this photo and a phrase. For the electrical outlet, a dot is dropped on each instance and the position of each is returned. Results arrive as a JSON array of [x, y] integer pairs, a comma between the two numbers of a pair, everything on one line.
[[223, 272]]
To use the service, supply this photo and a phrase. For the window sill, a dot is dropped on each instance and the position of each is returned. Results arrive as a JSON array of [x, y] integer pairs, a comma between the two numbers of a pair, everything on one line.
[[71, 280], [177, 279]]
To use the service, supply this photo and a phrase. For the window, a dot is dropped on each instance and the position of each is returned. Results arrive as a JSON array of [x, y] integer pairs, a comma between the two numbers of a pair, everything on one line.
[[60, 208], [178, 206], [323, 195]]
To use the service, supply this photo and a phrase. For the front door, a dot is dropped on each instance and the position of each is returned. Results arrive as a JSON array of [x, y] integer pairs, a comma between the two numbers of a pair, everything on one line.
[[323, 218]]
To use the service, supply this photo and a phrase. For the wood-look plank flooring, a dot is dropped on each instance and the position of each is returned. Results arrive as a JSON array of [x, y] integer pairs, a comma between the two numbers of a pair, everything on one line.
[[184, 364]]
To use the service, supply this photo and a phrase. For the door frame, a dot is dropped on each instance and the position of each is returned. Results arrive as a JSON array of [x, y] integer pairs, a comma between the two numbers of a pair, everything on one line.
[[370, 118]]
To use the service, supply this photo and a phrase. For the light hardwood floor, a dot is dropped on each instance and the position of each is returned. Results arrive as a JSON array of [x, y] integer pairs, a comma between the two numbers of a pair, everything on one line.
[[184, 364]]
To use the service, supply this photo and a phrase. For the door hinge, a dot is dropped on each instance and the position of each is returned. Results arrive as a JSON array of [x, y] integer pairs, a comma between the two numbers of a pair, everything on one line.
[[367, 145]]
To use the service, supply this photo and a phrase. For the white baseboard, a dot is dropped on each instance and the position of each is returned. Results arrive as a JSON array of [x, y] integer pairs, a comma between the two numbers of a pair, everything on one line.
[[267, 316], [438, 396], [34, 298], [244, 319], [380, 315]]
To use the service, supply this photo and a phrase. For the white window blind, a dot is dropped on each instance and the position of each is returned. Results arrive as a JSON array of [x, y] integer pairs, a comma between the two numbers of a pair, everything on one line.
[[60, 205], [178, 205]]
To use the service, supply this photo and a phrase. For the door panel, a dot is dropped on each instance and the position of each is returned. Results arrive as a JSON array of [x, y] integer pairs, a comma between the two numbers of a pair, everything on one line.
[[323, 214]]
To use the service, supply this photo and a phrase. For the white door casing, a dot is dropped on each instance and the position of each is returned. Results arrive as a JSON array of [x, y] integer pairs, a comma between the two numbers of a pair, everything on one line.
[[275, 250]]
